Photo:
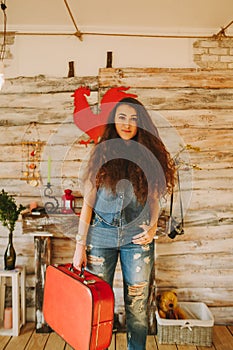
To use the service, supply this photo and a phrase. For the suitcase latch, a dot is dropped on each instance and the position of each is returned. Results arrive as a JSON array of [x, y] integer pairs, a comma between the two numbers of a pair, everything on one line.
[[89, 282]]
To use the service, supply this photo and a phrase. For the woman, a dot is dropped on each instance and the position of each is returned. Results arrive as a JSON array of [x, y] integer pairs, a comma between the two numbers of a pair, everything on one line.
[[129, 170]]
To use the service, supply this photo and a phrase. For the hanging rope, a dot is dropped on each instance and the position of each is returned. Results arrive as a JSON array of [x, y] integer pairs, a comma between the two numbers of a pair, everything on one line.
[[222, 33], [3, 46], [77, 33]]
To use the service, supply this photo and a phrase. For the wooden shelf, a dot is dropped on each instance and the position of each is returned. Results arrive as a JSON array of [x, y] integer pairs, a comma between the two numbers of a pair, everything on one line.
[[59, 225]]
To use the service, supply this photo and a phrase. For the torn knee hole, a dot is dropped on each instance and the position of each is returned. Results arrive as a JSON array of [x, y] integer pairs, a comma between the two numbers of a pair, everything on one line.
[[137, 290], [95, 260]]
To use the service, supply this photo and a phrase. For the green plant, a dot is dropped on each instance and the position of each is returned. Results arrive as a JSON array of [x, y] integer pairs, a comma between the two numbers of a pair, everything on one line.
[[9, 210]]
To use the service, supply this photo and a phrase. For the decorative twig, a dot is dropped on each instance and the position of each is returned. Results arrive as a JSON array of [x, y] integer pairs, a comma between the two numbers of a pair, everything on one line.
[[179, 162]]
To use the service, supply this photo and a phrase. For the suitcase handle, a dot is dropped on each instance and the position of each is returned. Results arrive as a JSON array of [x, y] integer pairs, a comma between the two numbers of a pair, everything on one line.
[[81, 274], [72, 269]]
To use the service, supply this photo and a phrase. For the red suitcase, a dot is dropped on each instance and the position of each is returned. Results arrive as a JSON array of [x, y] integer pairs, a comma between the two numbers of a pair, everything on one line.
[[78, 306]]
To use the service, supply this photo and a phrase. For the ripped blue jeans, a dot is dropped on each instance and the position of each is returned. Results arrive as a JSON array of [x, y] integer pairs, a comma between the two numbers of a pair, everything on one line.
[[105, 244]]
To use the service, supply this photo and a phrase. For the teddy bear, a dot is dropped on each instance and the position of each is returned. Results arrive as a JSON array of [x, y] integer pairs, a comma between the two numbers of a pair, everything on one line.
[[168, 307]]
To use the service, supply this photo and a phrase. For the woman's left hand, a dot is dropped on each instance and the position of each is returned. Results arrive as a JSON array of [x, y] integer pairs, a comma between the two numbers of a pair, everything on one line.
[[144, 237]]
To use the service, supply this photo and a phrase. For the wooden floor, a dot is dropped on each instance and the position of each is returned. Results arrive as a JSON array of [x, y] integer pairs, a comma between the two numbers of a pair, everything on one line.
[[30, 340]]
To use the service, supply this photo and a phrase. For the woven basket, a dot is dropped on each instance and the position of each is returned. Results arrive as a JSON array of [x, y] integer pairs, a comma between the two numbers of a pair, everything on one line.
[[196, 330]]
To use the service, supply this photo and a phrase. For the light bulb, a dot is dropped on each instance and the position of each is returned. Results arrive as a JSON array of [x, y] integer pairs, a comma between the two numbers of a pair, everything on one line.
[[2, 80]]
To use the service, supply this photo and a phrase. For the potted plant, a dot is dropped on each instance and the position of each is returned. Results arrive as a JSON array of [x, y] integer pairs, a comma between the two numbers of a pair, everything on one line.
[[9, 213]]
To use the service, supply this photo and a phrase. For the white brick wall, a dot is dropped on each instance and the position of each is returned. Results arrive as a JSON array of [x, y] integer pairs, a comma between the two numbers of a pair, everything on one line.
[[214, 53]]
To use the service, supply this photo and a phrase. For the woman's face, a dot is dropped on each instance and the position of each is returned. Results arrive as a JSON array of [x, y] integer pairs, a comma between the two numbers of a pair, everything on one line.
[[126, 121]]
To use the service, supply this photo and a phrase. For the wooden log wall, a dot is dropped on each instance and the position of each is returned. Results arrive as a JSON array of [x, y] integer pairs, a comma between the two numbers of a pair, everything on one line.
[[197, 104], [33, 108], [192, 108]]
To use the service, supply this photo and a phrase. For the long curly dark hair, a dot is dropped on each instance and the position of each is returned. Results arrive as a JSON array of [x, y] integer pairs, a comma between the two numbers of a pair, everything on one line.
[[143, 160]]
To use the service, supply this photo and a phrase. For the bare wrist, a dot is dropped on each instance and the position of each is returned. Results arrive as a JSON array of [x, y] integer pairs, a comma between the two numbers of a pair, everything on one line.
[[153, 228]]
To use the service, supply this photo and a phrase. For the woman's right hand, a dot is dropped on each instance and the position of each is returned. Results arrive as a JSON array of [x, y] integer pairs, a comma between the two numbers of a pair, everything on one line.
[[80, 256]]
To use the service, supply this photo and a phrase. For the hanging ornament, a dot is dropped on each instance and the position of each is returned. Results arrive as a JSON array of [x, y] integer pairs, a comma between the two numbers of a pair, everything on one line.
[[31, 153]]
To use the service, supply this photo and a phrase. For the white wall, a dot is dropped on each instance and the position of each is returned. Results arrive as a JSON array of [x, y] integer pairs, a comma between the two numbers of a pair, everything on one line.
[[49, 55]]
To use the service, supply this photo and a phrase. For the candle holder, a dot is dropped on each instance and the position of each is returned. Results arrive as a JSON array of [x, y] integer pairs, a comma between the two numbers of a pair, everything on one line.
[[50, 206], [67, 202]]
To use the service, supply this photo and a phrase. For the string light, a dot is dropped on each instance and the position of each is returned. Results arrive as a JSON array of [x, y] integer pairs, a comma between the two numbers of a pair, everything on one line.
[[3, 45]]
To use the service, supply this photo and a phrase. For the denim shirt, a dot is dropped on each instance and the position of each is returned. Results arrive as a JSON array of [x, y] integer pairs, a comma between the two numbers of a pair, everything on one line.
[[117, 218], [120, 208]]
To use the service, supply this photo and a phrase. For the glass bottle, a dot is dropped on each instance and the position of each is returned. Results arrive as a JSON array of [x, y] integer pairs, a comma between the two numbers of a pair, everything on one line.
[[10, 255]]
